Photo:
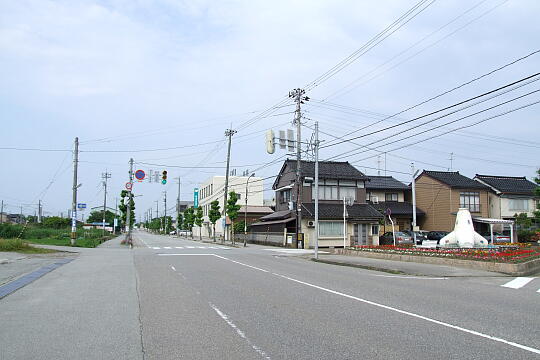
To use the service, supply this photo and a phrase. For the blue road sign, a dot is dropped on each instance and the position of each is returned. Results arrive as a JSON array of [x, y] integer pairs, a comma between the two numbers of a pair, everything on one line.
[[196, 197], [81, 206]]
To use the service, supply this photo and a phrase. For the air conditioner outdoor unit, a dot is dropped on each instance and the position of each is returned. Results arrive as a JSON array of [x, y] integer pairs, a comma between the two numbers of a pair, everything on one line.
[[375, 199], [311, 224]]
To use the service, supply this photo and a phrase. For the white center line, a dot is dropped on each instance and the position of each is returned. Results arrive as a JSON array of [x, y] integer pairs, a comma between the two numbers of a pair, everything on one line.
[[518, 282], [172, 267], [238, 331], [167, 247], [156, 248], [178, 247], [413, 277], [425, 318]]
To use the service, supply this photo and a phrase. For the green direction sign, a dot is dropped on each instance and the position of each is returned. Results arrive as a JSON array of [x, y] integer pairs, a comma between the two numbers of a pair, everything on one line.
[[196, 197]]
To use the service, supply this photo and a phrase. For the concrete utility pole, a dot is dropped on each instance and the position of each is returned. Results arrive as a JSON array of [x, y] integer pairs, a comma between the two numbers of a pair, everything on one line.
[[299, 98], [178, 209], [229, 133], [115, 214], [39, 211], [245, 210], [165, 212], [74, 199], [105, 176], [128, 214], [2, 213], [413, 185], [316, 194]]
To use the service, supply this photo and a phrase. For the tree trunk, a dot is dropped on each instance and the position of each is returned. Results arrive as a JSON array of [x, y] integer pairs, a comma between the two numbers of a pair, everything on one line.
[[232, 232], [214, 231], [200, 233]]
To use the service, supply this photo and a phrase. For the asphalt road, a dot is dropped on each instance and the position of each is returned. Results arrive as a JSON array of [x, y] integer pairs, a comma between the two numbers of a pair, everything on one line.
[[173, 298]]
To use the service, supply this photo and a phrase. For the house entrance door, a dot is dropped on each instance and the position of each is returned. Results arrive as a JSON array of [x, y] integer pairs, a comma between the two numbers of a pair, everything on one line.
[[360, 234]]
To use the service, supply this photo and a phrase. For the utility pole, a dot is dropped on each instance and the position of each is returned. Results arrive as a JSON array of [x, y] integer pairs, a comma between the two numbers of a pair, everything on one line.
[[178, 209], [451, 161], [74, 200], [229, 133], [2, 212], [39, 211], [105, 176], [165, 212], [128, 214], [413, 185], [299, 98], [316, 190], [115, 214], [245, 210]]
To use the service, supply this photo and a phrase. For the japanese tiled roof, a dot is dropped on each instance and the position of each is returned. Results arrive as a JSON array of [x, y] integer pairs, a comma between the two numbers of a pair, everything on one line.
[[509, 184], [455, 180]]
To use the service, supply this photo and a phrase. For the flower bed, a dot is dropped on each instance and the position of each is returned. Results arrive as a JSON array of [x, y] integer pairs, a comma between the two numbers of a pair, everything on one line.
[[505, 254]]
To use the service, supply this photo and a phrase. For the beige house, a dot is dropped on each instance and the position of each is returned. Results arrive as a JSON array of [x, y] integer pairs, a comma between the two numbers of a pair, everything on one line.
[[510, 196], [441, 193]]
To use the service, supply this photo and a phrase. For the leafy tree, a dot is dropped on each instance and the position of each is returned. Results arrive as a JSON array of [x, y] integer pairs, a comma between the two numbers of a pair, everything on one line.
[[199, 220], [523, 220], [189, 219], [56, 222], [123, 207], [179, 222], [232, 210], [537, 193], [214, 215], [97, 217]]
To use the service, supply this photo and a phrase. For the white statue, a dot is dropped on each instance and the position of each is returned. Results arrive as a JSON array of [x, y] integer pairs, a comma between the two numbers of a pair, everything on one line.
[[463, 235]]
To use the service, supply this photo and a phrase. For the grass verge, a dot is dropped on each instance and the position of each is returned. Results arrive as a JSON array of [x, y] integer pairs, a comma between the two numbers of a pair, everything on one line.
[[17, 245]]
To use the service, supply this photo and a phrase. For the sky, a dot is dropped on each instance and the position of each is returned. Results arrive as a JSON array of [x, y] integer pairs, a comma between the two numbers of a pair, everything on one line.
[[160, 82]]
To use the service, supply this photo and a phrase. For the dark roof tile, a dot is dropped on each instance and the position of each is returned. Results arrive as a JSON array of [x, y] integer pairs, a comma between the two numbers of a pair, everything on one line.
[[385, 182], [335, 211], [455, 180], [509, 184]]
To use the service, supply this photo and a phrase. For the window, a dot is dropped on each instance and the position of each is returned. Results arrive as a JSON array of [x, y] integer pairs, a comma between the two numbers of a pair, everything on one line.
[[518, 204], [470, 200], [391, 197], [347, 192], [374, 229], [285, 196], [239, 196], [330, 228]]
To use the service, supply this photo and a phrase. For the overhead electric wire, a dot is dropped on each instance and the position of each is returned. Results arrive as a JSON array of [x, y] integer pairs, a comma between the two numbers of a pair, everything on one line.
[[446, 91], [416, 53]]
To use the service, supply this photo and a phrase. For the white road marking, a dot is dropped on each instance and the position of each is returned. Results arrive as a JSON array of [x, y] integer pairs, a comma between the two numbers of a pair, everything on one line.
[[518, 282], [202, 247], [185, 254], [494, 338], [172, 267], [224, 248], [190, 247], [296, 251], [239, 263], [538, 291], [156, 248], [167, 247], [178, 247], [421, 317], [238, 331], [413, 277]]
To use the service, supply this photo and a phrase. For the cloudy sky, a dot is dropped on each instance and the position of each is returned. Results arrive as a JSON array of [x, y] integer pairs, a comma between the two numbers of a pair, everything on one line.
[[131, 77]]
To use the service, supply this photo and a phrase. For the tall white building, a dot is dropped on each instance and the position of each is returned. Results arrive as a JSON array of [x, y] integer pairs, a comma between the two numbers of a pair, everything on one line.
[[213, 189]]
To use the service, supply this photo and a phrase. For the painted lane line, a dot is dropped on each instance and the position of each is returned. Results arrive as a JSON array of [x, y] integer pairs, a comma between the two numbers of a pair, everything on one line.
[[238, 331], [190, 247], [201, 247], [538, 291], [518, 282], [156, 248], [239, 263], [413, 277], [178, 247], [173, 268], [224, 248], [167, 247], [185, 254], [472, 332], [442, 323]]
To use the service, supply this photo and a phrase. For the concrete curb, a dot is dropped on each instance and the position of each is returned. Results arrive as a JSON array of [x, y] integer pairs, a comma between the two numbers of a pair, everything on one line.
[[520, 269]]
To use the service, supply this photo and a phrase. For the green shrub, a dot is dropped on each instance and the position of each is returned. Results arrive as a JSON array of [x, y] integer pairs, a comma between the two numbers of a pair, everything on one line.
[[10, 231], [525, 236], [56, 222]]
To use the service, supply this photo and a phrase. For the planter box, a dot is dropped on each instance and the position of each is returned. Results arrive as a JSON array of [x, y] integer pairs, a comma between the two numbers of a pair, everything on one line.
[[520, 269]]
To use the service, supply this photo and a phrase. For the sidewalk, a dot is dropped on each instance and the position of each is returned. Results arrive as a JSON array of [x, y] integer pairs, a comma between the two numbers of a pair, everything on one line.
[[405, 268], [85, 309]]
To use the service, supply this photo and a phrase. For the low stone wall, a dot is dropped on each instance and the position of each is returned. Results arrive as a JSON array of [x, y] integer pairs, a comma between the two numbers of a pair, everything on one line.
[[520, 269]]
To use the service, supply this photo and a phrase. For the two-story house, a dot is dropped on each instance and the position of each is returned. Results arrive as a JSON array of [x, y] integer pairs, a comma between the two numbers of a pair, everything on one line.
[[441, 193], [337, 181], [213, 189], [389, 195], [511, 195]]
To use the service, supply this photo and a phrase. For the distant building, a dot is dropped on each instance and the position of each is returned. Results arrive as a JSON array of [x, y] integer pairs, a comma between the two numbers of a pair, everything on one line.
[[213, 189], [385, 194], [511, 195], [441, 193]]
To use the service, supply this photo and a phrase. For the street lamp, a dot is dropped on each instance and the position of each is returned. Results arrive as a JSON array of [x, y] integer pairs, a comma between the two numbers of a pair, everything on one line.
[[245, 210]]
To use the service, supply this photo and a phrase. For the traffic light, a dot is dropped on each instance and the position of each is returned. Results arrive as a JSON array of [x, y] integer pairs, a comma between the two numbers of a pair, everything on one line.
[[164, 177]]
